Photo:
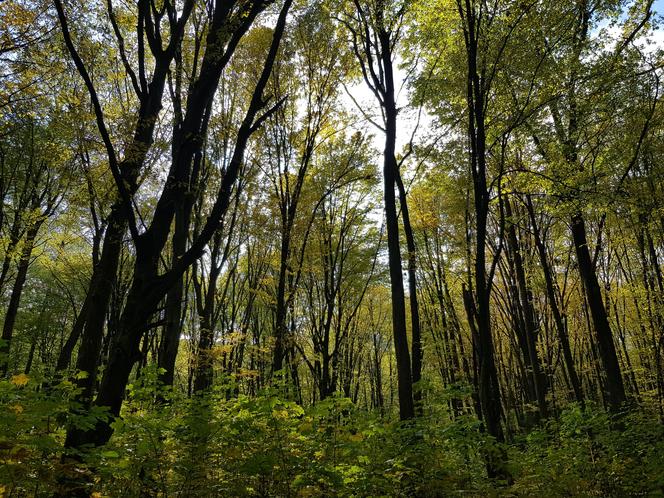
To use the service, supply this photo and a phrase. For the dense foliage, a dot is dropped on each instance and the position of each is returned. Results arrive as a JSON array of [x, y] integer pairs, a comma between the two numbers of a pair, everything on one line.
[[266, 446], [312, 248]]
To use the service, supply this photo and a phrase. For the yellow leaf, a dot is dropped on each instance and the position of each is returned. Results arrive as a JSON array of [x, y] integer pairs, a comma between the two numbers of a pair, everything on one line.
[[17, 409], [280, 414], [20, 379]]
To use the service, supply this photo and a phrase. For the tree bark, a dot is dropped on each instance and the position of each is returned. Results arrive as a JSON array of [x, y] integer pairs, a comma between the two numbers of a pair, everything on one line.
[[416, 331], [614, 387], [17, 291], [553, 303], [170, 339]]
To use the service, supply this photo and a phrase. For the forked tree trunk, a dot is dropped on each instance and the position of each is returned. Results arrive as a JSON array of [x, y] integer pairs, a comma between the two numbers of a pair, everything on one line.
[[149, 287]]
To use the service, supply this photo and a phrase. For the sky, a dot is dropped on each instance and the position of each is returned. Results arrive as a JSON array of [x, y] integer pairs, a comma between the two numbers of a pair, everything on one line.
[[659, 6]]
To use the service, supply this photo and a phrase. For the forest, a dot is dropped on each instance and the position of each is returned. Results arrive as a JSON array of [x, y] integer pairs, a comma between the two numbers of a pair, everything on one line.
[[318, 248]]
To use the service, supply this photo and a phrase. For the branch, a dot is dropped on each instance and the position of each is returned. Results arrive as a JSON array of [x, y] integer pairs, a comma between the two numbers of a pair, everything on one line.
[[121, 47], [99, 116], [223, 197], [362, 111]]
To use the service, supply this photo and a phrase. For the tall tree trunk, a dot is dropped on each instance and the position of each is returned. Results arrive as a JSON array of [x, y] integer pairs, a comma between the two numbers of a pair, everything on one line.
[[489, 388], [390, 172], [412, 291], [614, 388], [553, 303], [374, 45], [17, 292]]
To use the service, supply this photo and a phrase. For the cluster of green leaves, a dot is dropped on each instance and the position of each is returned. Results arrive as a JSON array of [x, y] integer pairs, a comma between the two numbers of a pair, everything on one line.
[[223, 445], [589, 453], [266, 446], [33, 415]]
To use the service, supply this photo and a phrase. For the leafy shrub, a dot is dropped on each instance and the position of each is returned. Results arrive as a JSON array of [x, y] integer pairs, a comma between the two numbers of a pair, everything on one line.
[[166, 445]]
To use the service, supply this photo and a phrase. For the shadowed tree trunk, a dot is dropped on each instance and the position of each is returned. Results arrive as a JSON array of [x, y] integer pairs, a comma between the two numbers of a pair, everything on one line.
[[149, 287], [373, 44], [125, 173], [553, 304], [170, 339], [614, 387]]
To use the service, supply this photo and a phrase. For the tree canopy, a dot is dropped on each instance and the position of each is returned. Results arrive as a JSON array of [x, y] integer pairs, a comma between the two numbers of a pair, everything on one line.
[[316, 248]]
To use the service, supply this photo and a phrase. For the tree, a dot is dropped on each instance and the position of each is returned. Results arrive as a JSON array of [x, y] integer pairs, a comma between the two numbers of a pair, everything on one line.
[[228, 24], [375, 31], [311, 77], [340, 265], [37, 189]]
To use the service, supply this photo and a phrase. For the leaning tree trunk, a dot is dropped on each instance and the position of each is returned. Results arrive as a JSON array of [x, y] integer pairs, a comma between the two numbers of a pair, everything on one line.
[[529, 317], [614, 387], [17, 291], [555, 310]]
